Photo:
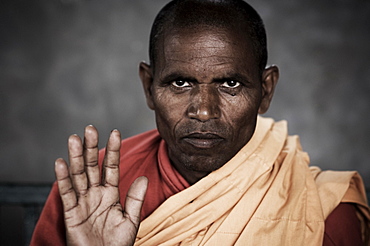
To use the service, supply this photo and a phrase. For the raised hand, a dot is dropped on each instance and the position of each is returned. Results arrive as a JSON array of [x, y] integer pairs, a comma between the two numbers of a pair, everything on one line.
[[92, 211]]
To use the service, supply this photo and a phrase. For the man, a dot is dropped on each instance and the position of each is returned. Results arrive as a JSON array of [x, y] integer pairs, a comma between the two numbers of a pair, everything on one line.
[[218, 173]]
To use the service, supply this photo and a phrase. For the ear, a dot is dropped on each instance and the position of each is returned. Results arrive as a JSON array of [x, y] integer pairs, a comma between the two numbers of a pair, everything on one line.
[[146, 76], [270, 78]]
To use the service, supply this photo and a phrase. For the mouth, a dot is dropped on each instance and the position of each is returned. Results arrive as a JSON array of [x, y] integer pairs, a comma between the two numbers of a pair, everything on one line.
[[203, 140]]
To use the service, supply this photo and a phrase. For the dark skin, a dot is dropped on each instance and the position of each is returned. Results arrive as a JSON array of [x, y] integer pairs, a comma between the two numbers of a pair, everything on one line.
[[92, 211], [206, 92]]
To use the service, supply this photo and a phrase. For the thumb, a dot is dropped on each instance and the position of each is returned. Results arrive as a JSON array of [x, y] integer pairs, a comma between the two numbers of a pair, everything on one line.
[[135, 199]]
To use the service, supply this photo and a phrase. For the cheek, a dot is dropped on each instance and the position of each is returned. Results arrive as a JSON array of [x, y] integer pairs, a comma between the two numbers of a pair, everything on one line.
[[241, 112], [240, 107], [169, 111]]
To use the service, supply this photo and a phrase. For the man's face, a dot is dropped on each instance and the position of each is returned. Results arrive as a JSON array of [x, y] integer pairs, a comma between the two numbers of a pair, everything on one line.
[[206, 92]]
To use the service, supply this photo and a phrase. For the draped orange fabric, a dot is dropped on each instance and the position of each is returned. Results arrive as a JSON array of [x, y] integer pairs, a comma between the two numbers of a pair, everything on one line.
[[269, 200], [266, 195]]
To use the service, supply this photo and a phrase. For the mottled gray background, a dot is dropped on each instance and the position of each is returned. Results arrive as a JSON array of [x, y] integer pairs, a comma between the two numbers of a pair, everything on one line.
[[66, 64]]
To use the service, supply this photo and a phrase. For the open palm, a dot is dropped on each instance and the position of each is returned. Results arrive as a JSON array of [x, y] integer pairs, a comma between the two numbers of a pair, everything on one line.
[[92, 211]]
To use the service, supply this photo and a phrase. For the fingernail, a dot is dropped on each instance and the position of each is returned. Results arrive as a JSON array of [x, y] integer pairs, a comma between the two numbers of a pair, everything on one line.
[[57, 160]]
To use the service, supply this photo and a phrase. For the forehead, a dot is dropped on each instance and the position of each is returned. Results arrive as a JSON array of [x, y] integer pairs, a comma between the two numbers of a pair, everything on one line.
[[207, 48]]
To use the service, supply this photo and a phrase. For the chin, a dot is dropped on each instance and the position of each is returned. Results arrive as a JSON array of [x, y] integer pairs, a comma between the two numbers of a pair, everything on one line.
[[204, 163]]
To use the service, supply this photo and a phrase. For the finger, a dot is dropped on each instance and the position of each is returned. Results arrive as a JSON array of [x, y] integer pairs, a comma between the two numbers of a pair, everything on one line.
[[77, 167], [90, 154], [111, 160], [66, 191], [135, 199]]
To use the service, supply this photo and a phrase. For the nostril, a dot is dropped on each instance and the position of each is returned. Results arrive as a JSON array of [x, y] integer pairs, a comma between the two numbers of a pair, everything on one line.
[[192, 111], [203, 112]]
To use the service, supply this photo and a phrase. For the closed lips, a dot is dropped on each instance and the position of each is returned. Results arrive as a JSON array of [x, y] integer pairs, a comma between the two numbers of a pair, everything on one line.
[[203, 140]]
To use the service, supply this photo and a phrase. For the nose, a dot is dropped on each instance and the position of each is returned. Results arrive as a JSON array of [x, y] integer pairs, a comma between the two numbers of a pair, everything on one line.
[[205, 103]]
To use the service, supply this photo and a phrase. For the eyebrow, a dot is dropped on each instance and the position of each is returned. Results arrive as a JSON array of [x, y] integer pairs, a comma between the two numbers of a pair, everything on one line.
[[233, 76], [178, 76], [228, 76]]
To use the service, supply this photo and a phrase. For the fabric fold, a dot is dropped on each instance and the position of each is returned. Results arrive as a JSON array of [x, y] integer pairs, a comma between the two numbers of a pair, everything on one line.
[[266, 189]]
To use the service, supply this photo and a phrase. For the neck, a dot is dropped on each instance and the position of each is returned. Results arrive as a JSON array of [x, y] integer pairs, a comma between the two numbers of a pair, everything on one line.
[[190, 176]]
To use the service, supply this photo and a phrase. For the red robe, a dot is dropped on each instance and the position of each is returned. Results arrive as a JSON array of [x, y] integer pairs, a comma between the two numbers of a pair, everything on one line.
[[146, 155]]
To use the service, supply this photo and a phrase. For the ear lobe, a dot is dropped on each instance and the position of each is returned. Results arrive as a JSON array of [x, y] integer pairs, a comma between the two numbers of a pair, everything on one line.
[[270, 77], [146, 76]]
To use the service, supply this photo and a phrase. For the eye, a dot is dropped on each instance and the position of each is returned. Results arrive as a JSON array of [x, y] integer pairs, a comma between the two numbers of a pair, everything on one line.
[[231, 84], [180, 83]]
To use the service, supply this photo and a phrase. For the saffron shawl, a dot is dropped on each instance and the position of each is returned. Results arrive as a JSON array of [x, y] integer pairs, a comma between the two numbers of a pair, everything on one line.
[[265, 195]]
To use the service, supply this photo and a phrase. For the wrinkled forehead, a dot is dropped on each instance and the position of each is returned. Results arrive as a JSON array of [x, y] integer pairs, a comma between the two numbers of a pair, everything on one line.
[[206, 39], [206, 48], [199, 38], [235, 15]]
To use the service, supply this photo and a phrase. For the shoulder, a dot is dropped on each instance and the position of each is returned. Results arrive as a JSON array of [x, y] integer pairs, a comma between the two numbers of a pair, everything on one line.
[[50, 229], [136, 145], [342, 227], [141, 141]]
